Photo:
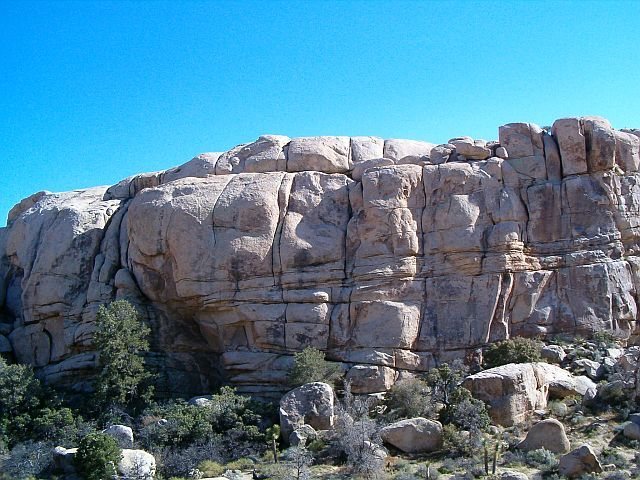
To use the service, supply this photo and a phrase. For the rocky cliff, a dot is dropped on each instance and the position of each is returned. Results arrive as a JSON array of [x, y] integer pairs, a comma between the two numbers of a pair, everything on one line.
[[393, 254]]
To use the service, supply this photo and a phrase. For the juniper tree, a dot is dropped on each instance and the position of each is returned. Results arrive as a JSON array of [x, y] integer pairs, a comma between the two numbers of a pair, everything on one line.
[[121, 339]]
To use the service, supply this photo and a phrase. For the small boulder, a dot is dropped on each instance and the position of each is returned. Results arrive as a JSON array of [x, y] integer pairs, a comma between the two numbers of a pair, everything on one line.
[[501, 152], [510, 475], [122, 434], [302, 435], [64, 459], [311, 404], [414, 435], [578, 462], [201, 401], [553, 353], [593, 369], [631, 430], [548, 434], [137, 465], [470, 148]]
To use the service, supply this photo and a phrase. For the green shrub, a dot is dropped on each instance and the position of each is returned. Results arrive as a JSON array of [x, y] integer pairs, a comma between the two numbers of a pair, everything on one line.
[[232, 421], [542, 459], [514, 350], [410, 398], [240, 464], [209, 468], [310, 365], [97, 457], [29, 411]]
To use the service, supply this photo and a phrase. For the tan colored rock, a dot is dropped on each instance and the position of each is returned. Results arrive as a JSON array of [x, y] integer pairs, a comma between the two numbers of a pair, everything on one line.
[[514, 391], [311, 404], [548, 434], [471, 149], [370, 378], [360, 168], [266, 154], [407, 151], [553, 353], [404, 256], [198, 167], [521, 140], [601, 142], [442, 154], [569, 133], [578, 462], [323, 154], [627, 151], [414, 435], [366, 148]]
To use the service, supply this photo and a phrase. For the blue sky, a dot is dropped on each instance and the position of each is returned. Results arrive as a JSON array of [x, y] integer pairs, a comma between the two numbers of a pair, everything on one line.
[[91, 92]]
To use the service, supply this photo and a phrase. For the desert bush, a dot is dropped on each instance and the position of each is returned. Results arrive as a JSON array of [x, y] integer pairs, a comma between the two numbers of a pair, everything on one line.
[[230, 418], [26, 460], [542, 459], [210, 468], [179, 461], [358, 436], [606, 338], [310, 365], [466, 412], [97, 456], [460, 442], [613, 456], [514, 350], [410, 398], [242, 463]]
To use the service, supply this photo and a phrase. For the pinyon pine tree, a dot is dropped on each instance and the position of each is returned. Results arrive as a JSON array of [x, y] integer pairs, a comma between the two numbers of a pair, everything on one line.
[[121, 340]]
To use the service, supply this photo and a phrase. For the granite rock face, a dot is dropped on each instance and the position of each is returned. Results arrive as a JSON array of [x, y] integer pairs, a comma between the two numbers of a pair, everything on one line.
[[384, 253]]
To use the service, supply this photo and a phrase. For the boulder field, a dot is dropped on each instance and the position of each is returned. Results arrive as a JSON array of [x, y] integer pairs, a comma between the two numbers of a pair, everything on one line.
[[389, 254]]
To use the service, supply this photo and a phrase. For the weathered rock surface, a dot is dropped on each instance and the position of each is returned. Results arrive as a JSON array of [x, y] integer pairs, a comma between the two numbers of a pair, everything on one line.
[[414, 435], [122, 433], [548, 434], [578, 462], [310, 404], [514, 391], [136, 465], [64, 459], [389, 253]]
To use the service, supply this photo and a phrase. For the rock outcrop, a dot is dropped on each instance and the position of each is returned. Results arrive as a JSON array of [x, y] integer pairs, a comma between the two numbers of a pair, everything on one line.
[[514, 391], [386, 253]]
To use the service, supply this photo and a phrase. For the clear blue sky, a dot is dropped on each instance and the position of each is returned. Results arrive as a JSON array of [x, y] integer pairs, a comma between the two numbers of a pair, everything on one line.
[[91, 92]]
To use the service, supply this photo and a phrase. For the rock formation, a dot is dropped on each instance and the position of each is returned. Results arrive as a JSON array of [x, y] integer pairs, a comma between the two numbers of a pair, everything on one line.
[[386, 253]]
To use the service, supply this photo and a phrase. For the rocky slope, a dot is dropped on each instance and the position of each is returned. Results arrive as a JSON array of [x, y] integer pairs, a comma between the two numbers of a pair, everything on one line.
[[394, 254]]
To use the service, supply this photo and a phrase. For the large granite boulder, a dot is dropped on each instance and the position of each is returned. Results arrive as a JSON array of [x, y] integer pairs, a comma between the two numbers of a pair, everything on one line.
[[414, 435], [514, 391], [393, 254], [548, 434], [311, 404], [136, 465]]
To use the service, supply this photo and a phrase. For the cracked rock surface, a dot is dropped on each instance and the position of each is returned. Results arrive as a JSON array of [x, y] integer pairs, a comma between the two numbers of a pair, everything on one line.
[[394, 254]]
